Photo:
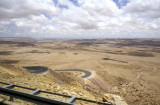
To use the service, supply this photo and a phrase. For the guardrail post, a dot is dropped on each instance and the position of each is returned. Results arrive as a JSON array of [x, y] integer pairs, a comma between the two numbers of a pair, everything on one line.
[[34, 98], [10, 87], [11, 99], [72, 99], [37, 91]]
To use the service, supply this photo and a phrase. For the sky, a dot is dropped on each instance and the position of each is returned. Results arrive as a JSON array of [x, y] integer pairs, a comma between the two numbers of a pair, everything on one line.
[[80, 18]]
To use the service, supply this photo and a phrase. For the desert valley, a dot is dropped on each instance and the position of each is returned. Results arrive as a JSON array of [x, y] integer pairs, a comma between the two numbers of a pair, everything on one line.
[[129, 68]]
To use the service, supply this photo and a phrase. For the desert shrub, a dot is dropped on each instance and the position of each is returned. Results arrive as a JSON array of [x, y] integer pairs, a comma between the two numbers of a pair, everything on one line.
[[142, 54]]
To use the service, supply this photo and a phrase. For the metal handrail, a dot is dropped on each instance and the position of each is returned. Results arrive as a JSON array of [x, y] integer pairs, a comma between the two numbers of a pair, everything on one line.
[[34, 98]]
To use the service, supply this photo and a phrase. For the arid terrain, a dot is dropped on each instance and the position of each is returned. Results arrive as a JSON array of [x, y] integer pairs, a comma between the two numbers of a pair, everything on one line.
[[129, 68]]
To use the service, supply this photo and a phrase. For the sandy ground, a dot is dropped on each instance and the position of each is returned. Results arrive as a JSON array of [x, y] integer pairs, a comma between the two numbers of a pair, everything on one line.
[[132, 72]]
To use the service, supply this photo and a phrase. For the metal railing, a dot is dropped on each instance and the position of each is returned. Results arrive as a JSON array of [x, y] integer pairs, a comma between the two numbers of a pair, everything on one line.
[[34, 98]]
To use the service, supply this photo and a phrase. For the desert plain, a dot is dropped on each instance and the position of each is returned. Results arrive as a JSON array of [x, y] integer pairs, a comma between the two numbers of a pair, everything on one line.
[[129, 68]]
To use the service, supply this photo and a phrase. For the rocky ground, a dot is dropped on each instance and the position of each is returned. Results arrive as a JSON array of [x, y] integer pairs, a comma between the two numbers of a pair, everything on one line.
[[16, 75], [128, 68]]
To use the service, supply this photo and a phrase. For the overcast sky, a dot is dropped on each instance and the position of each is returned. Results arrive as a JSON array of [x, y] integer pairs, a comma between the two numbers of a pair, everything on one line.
[[80, 18]]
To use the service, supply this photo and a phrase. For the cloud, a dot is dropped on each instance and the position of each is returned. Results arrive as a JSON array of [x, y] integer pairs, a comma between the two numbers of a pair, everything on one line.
[[103, 7], [85, 18], [11, 9], [144, 8]]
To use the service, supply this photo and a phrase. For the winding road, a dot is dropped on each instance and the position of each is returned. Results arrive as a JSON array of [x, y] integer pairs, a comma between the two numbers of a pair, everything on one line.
[[86, 73], [41, 69], [36, 69]]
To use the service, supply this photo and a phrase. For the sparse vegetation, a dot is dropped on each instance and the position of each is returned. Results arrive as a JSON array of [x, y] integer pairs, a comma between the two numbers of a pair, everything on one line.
[[141, 43], [6, 52], [36, 51], [19, 44], [114, 60], [117, 66], [141, 54], [9, 61]]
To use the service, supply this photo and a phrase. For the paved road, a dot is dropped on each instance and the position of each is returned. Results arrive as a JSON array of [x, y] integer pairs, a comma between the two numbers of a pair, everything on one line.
[[36, 69], [86, 73], [41, 69]]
